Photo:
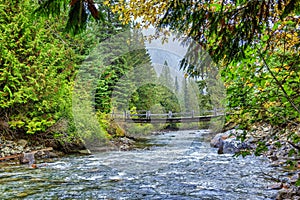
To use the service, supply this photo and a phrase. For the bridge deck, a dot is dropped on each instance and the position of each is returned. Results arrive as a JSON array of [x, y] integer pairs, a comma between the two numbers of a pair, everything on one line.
[[172, 120], [170, 117]]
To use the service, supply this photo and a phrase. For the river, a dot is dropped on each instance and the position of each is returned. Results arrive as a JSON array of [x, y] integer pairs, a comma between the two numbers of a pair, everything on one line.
[[178, 165]]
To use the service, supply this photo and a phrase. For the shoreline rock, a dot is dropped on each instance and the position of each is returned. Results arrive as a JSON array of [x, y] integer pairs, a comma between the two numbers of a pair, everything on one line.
[[277, 144], [25, 152], [227, 142]]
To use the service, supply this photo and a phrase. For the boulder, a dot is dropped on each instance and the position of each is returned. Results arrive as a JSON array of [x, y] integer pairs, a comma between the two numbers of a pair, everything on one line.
[[216, 142], [27, 158], [227, 143], [232, 146], [85, 152]]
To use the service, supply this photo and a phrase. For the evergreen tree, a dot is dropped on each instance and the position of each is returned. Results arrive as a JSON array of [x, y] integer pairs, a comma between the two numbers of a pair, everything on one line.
[[189, 94], [36, 65], [165, 77], [176, 85], [111, 64], [124, 61]]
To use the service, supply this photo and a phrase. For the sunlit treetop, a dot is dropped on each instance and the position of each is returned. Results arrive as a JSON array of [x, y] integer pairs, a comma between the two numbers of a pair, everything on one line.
[[149, 12]]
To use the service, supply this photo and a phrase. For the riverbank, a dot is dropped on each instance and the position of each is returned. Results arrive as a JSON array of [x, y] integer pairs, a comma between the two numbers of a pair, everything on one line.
[[281, 145], [15, 150]]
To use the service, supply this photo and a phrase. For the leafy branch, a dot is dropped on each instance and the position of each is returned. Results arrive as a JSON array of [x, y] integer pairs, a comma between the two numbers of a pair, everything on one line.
[[278, 83]]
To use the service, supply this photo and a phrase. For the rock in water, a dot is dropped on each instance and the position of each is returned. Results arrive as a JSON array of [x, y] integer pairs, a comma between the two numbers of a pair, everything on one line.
[[227, 142], [85, 152], [216, 142], [27, 158]]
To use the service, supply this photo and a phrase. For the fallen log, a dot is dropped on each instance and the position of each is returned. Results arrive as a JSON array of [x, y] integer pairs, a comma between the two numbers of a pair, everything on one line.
[[10, 157], [24, 155]]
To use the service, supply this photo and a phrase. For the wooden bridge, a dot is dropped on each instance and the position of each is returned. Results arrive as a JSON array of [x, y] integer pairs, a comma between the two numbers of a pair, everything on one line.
[[170, 117]]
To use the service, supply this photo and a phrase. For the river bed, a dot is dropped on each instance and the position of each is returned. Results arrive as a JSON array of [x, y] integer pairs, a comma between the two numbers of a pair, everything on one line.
[[178, 165]]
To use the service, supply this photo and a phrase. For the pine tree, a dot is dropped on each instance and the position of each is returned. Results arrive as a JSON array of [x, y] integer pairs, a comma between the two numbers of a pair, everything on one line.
[[165, 77], [123, 61], [189, 94], [176, 85]]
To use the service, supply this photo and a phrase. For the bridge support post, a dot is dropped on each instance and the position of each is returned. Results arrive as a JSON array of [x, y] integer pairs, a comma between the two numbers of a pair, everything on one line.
[[170, 114], [215, 111], [193, 113], [148, 114], [113, 114], [126, 115]]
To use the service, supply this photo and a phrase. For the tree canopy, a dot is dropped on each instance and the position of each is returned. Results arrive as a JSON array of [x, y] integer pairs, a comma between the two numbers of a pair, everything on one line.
[[256, 44], [224, 28], [78, 12]]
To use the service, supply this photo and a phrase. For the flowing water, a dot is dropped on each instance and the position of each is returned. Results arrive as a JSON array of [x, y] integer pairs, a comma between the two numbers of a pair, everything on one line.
[[179, 165]]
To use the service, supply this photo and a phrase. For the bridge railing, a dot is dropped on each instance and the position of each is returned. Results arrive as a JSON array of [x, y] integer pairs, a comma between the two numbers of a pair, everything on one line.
[[146, 114]]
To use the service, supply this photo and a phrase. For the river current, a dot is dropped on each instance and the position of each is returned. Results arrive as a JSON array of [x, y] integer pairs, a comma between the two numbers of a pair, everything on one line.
[[178, 165]]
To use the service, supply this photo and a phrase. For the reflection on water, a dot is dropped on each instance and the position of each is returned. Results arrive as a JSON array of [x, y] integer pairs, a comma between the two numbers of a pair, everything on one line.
[[179, 166]]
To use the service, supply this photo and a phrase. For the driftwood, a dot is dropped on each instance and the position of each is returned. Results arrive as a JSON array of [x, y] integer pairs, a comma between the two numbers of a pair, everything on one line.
[[27, 157], [10, 157]]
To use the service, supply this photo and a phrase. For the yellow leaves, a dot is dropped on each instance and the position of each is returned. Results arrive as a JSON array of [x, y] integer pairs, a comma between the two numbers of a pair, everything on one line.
[[286, 67], [120, 18], [114, 10], [138, 25], [260, 89], [106, 3], [18, 124], [289, 35], [269, 104], [226, 85], [146, 10], [250, 84], [277, 69]]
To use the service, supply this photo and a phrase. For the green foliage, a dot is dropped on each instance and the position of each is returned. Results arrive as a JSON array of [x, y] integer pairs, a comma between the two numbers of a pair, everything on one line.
[[120, 75], [140, 129], [297, 182], [291, 164], [156, 98], [243, 153], [242, 136], [255, 43], [146, 97], [294, 137], [261, 147], [36, 64], [227, 30], [78, 12], [192, 99], [265, 88], [165, 77]]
